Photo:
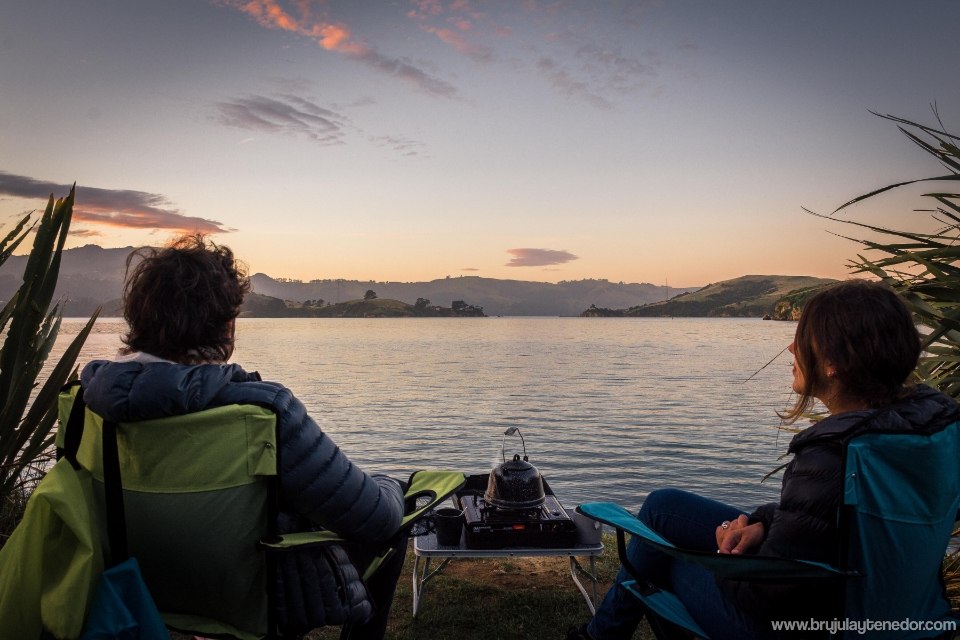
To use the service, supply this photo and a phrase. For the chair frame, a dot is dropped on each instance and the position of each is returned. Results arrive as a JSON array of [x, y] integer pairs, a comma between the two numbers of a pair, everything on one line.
[[943, 441], [436, 486]]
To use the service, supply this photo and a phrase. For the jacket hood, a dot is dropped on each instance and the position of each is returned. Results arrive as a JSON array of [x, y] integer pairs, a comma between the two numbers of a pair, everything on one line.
[[133, 391], [925, 410]]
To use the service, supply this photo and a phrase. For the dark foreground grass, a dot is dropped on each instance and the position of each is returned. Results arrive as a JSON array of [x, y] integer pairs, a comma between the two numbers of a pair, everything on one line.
[[496, 598], [509, 598]]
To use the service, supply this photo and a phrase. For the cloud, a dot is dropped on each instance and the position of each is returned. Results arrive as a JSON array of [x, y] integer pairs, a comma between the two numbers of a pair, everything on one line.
[[311, 21], [112, 207], [426, 7], [469, 269], [615, 70], [456, 20], [583, 62], [538, 257], [459, 42], [287, 114], [401, 145], [404, 70], [564, 80], [86, 233], [296, 116]]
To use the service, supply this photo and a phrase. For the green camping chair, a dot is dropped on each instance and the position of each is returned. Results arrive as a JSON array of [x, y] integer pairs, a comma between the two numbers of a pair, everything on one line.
[[199, 496], [900, 501]]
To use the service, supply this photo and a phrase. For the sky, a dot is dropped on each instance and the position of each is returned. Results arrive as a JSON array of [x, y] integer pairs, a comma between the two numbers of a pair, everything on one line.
[[666, 142]]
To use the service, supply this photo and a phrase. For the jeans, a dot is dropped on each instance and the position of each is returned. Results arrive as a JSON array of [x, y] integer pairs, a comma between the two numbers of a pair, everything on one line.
[[689, 521]]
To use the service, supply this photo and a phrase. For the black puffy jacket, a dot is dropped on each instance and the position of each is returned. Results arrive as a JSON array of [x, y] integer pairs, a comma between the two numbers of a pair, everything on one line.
[[804, 524]]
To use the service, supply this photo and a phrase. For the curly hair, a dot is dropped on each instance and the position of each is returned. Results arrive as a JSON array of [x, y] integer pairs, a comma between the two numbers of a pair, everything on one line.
[[866, 334], [179, 301]]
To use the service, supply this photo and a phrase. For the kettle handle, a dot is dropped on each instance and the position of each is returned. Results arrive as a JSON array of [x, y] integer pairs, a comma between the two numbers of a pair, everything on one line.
[[509, 432]]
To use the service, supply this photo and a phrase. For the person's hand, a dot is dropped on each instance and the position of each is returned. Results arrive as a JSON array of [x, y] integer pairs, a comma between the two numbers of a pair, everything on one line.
[[738, 536]]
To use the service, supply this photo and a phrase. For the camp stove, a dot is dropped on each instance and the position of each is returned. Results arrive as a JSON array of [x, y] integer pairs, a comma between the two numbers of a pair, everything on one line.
[[491, 527]]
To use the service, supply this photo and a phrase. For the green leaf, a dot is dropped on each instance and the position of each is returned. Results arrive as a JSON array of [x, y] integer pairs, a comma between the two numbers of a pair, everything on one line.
[[32, 325]]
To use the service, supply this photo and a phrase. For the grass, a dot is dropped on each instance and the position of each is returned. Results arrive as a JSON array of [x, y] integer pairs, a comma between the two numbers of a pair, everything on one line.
[[508, 598], [494, 598]]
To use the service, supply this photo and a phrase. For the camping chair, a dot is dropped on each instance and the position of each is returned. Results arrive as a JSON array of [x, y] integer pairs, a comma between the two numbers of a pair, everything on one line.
[[199, 494], [900, 500]]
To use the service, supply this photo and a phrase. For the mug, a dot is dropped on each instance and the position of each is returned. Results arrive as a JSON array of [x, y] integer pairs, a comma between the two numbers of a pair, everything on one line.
[[449, 526]]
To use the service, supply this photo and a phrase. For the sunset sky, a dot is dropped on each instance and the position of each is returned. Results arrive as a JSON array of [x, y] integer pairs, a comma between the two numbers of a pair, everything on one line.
[[409, 140]]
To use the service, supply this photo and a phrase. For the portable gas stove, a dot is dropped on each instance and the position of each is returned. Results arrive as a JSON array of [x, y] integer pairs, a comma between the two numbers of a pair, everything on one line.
[[490, 527]]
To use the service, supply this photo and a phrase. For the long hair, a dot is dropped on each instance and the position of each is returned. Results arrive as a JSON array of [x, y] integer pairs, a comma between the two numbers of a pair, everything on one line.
[[179, 301], [866, 334]]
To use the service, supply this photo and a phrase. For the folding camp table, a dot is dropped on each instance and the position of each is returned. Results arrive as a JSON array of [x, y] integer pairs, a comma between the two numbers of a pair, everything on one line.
[[425, 548]]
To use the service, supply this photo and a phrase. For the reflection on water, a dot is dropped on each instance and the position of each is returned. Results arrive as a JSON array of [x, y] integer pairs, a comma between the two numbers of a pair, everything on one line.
[[610, 408]]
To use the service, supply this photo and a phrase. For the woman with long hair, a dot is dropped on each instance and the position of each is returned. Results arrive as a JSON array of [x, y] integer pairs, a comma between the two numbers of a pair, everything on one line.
[[854, 351]]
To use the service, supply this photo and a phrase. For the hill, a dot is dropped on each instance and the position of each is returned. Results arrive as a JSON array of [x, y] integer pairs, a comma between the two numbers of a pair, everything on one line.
[[92, 276], [497, 297], [790, 306], [744, 297], [260, 306]]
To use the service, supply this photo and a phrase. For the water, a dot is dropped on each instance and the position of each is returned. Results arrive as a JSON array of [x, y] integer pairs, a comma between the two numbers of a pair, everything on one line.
[[610, 409]]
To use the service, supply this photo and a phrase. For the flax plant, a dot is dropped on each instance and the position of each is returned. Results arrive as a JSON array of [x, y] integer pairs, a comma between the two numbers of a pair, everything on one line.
[[31, 325], [924, 268]]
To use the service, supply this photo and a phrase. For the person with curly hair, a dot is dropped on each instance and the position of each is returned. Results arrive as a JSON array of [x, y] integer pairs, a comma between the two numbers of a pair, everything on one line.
[[181, 303]]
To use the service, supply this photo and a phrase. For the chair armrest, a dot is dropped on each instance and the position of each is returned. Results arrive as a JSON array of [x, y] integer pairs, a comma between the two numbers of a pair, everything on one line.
[[300, 540], [749, 567], [433, 484]]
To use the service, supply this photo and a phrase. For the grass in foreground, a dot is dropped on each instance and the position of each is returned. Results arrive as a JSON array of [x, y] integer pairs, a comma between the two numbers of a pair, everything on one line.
[[497, 598], [507, 598]]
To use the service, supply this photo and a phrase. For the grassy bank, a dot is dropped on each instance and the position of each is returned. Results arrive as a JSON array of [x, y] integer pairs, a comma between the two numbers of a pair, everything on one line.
[[508, 598], [496, 598]]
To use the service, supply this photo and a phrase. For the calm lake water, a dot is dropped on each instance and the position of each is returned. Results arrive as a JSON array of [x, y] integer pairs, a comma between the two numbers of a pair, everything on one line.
[[610, 409]]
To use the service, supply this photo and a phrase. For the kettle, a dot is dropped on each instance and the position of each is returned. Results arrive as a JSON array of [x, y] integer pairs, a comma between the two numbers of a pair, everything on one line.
[[514, 484]]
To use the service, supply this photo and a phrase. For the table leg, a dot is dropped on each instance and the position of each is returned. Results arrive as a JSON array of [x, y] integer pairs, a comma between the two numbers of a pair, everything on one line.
[[575, 568], [420, 579], [416, 583], [593, 576]]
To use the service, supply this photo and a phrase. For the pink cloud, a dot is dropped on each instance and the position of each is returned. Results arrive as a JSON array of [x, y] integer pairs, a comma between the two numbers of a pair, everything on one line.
[[460, 43], [145, 219], [526, 257], [336, 36], [112, 207], [426, 7], [458, 18]]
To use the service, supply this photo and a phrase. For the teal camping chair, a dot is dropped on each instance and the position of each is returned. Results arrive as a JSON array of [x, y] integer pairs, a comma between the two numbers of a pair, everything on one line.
[[199, 494], [900, 501]]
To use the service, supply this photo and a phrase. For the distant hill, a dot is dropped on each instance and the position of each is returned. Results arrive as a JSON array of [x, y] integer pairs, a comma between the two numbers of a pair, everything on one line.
[[497, 297], [789, 306], [744, 297], [92, 276], [261, 306]]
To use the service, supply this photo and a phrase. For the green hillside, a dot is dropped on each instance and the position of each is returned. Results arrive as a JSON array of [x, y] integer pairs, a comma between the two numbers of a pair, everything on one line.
[[744, 297]]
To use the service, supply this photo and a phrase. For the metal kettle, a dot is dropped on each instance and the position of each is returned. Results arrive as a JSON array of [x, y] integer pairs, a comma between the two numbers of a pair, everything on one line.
[[514, 484]]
